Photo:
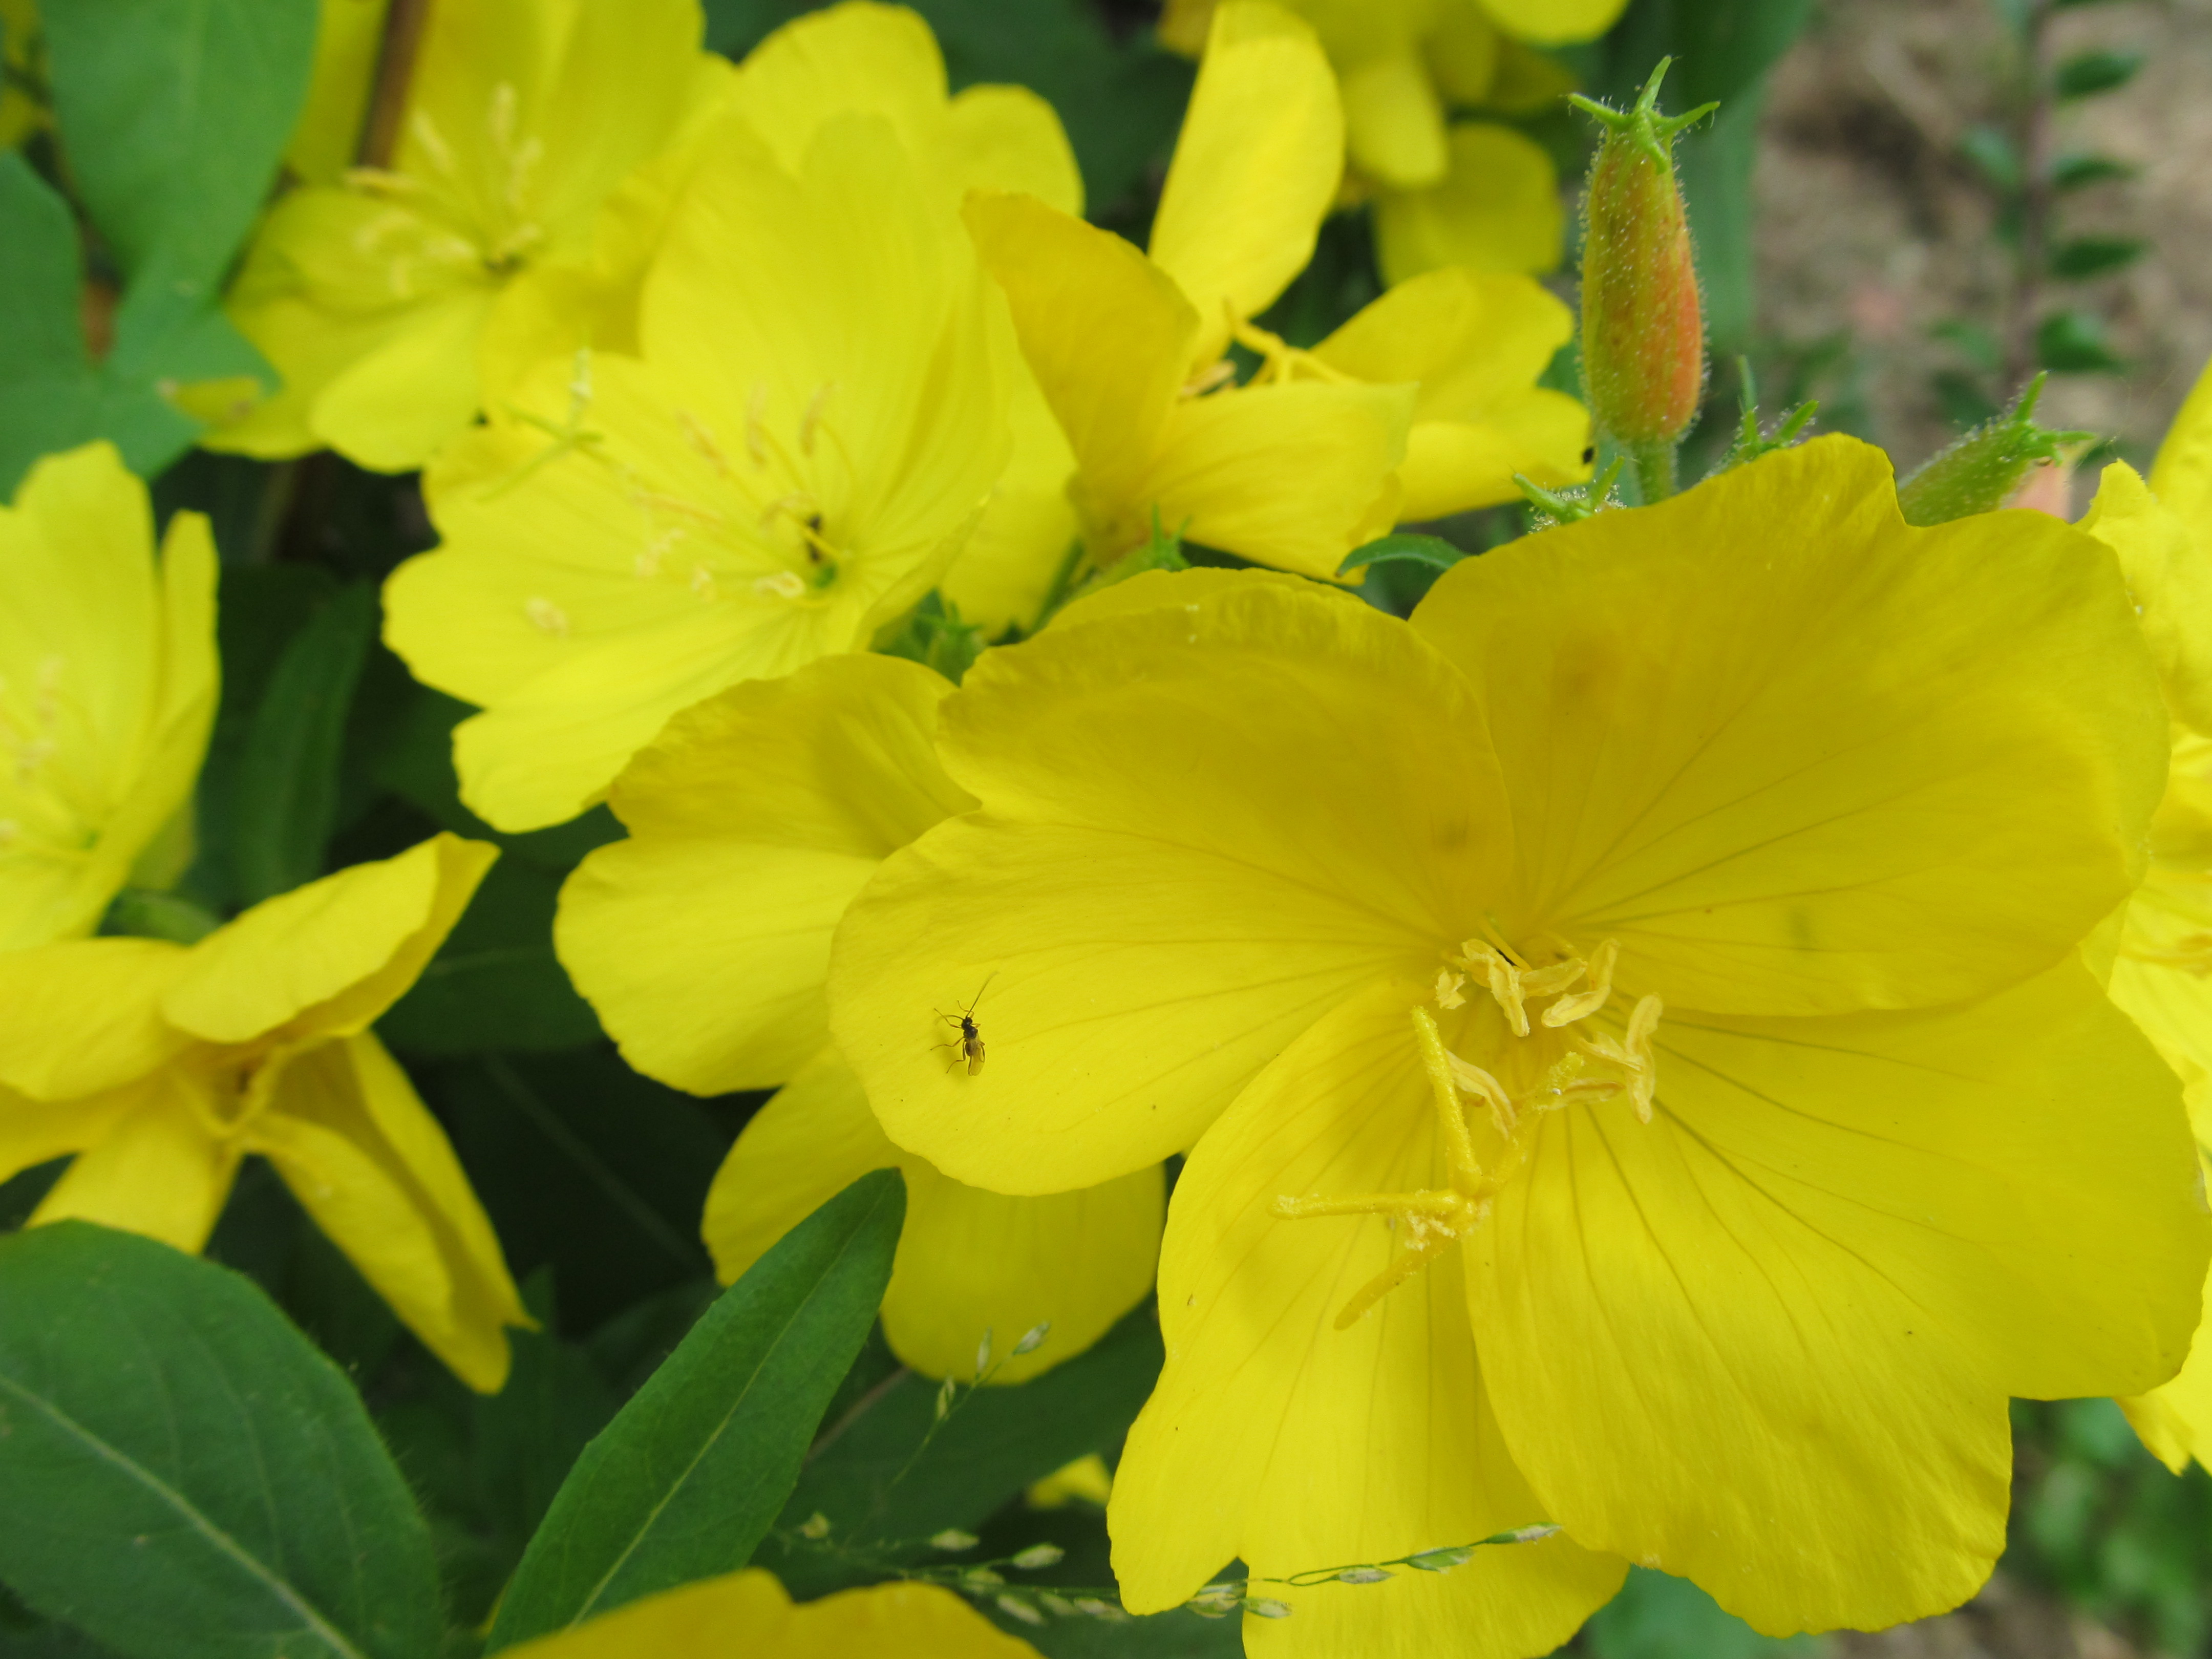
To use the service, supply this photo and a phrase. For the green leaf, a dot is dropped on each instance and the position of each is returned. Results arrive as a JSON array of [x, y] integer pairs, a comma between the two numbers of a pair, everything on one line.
[[182, 1475], [2072, 342], [1433, 552], [174, 113], [286, 797], [496, 982], [995, 1443], [1976, 344], [1656, 1617], [686, 1480], [2088, 73], [2077, 172], [2085, 257], [41, 340], [584, 1164], [1991, 149]]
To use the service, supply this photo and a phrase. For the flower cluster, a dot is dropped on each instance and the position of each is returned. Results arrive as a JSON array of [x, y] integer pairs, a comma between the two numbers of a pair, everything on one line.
[[1634, 1060]]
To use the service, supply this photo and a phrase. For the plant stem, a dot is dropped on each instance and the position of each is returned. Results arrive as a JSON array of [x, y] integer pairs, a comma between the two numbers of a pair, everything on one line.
[[2031, 143], [1654, 469]]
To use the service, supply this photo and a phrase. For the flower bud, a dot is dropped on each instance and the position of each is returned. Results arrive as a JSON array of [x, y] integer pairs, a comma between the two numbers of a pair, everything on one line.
[[1643, 338], [1981, 472]]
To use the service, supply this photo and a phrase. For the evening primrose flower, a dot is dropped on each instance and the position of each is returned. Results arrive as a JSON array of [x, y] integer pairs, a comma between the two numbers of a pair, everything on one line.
[[107, 689], [752, 819], [1464, 192], [370, 295], [854, 58], [1624, 1085], [810, 430], [1300, 466], [748, 1612], [2163, 973], [159, 1066]]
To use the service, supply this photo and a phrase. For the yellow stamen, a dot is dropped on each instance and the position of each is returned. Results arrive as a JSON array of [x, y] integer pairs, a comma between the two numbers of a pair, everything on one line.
[[1583, 1004], [1448, 984]]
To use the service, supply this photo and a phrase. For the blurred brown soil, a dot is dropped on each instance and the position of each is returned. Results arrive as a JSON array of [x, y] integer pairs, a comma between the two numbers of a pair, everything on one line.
[[1872, 222]]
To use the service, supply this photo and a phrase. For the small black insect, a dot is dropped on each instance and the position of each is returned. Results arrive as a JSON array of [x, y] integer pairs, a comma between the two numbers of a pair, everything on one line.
[[969, 1045], [1589, 455]]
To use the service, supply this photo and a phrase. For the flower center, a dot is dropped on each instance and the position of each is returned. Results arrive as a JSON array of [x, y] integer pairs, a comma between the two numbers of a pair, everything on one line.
[[1549, 1058], [453, 220], [760, 526]]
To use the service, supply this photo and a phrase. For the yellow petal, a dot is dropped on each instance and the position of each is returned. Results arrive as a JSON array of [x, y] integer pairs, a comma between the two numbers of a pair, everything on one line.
[[1009, 139], [754, 818], [1254, 170], [1475, 343], [328, 958], [1277, 1438], [1497, 209], [2175, 1419], [1471, 339], [2181, 478], [878, 59], [1463, 50], [1294, 475], [365, 1158], [156, 1171], [2157, 977], [346, 37], [1553, 22], [748, 1612], [35, 1131], [1027, 535], [1705, 760], [1394, 123], [1156, 935], [1452, 466], [85, 1016], [1107, 333], [107, 687], [847, 289], [969, 1261], [389, 410], [2169, 571], [1765, 1341]]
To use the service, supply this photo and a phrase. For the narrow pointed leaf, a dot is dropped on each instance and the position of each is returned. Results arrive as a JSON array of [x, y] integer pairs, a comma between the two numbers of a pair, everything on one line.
[[685, 1481]]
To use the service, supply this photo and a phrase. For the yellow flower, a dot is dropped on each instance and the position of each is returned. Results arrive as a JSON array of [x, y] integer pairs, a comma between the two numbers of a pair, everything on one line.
[[1462, 192], [107, 688], [348, 39], [159, 1066], [703, 941], [854, 58], [814, 419], [1637, 919], [370, 295], [1300, 465], [748, 1612], [2162, 975]]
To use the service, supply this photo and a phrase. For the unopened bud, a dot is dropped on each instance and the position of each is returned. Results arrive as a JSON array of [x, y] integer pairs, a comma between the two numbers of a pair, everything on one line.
[[1643, 336], [1981, 470]]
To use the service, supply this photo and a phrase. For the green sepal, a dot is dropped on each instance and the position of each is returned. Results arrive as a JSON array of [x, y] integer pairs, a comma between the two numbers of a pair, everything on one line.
[[1432, 552], [1976, 473]]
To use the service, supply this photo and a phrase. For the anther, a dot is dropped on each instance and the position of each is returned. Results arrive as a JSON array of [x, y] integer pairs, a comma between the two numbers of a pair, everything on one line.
[[701, 436], [783, 585], [812, 417], [756, 424], [1220, 374], [548, 616], [433, 142], [703, 583], [1484, 1087], [1583, 1004], [1448, 984]]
